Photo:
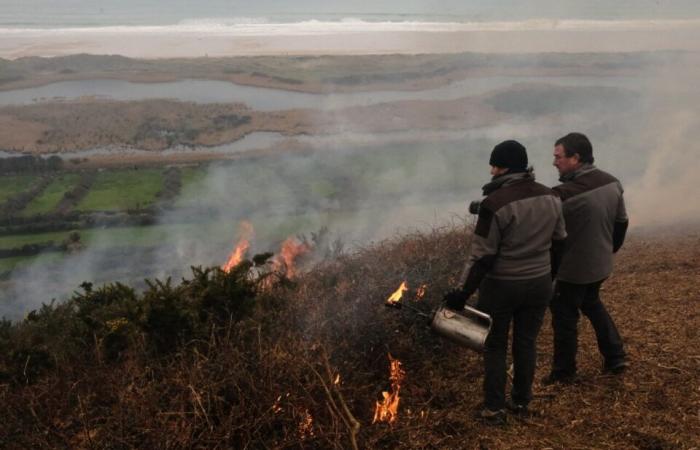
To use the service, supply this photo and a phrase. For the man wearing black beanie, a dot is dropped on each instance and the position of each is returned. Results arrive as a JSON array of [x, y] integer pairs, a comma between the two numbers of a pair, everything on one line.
[[520, 223], [510, 155]]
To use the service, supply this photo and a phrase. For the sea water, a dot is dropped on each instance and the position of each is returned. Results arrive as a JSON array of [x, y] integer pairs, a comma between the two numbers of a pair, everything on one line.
[[53, 14]]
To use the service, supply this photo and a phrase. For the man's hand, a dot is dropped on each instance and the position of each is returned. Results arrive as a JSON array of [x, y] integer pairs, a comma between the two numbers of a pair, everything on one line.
[[455, 299]]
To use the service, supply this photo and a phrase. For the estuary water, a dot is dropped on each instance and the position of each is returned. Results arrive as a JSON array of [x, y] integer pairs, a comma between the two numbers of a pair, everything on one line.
[[267, 99]]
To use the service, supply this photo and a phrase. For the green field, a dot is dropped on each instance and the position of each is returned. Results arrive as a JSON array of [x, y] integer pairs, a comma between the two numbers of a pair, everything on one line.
[[116, 190], [135, 236], [191, 176], [18, 240], [10, 263], [192, 179], [48, 200], [7, 264], [350, 193], [221, 231], [11, 185]]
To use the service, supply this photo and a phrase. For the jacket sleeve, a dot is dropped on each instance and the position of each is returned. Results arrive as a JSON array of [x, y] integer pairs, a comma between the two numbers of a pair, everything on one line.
[[558, 240], [485, 244], [619, 233], [621, 224]]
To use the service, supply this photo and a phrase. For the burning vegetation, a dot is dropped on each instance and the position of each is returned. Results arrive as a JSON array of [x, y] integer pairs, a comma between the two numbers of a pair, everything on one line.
[[291, 249], [395, 298], [220, 361], [387, 410], [283, 263], [242, 245]]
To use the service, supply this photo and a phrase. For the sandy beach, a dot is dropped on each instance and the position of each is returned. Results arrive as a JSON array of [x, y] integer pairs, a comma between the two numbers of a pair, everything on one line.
[[354, 39]]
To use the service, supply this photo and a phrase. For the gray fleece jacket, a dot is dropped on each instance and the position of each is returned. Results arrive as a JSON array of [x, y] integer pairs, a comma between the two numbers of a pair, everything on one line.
[[518, 221], [596, 223]]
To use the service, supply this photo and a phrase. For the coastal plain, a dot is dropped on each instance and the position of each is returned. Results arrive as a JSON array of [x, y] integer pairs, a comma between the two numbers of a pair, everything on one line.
[[106, 149], [45, 106]]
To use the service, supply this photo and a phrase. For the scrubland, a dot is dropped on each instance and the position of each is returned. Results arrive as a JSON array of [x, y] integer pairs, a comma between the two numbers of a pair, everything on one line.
[[244, 360]]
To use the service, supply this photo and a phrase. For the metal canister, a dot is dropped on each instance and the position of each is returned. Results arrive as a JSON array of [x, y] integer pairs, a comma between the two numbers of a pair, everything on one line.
[[469, 327]]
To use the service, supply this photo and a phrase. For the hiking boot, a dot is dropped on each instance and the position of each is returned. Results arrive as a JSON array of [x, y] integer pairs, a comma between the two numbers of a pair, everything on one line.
[[517, 409], [616, 368], [560, 378], [490, 417]]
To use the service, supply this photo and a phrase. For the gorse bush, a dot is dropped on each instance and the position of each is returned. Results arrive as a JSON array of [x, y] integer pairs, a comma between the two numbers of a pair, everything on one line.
[[107, 323]]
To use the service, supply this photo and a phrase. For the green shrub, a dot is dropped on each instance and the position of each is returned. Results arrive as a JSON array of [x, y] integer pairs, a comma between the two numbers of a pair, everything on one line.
[[168, 318], [222, 296], [110, 315], [101, 325]]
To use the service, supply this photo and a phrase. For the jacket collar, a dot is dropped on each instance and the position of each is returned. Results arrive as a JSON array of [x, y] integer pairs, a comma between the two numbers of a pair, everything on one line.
[[585, 168], [507, 179]]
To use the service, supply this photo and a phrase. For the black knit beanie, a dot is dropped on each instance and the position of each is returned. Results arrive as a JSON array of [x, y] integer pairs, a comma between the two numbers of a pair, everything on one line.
[[511, 155]]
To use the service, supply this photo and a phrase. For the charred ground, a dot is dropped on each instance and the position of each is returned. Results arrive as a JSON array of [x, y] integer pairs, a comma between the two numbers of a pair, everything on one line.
[[252, 376]]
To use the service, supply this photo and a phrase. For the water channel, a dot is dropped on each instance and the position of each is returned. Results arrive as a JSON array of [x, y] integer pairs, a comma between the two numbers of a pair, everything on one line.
[[268, 99]]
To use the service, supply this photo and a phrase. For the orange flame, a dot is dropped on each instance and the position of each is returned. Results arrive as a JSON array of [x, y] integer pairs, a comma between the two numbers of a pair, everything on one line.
[[387, 410], [396, 296], [421, 291], [291, 249], [245, 232]]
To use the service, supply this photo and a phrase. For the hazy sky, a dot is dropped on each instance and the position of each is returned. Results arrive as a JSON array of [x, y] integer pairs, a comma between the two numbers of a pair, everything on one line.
[[488, 8]]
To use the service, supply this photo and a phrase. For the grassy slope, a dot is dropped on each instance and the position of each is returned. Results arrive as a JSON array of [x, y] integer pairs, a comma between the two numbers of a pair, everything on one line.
[[650, 296], [228, 393]]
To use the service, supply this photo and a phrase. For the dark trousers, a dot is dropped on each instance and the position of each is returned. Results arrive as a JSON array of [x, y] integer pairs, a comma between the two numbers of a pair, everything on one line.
[[568, 300], [524, 303]]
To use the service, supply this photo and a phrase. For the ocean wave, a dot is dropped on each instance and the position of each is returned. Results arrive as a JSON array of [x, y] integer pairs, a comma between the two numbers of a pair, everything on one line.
[[225, 21], [262, 26]]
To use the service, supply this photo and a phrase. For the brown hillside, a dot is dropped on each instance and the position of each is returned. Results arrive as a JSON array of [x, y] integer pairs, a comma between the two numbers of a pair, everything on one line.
[[268, 382]]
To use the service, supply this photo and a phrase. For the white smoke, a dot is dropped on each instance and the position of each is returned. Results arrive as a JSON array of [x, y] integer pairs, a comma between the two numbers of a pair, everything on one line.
[[665, 192]]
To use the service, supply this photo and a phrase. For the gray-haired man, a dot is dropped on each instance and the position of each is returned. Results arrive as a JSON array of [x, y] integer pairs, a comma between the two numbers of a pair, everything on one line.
[[596, 223]]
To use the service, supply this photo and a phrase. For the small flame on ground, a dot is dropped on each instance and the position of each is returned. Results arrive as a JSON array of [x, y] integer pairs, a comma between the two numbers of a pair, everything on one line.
[[387, 410], [306, 425], [245, 233], [396, 296], [421, 291], [291, 249], [337, 379]]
